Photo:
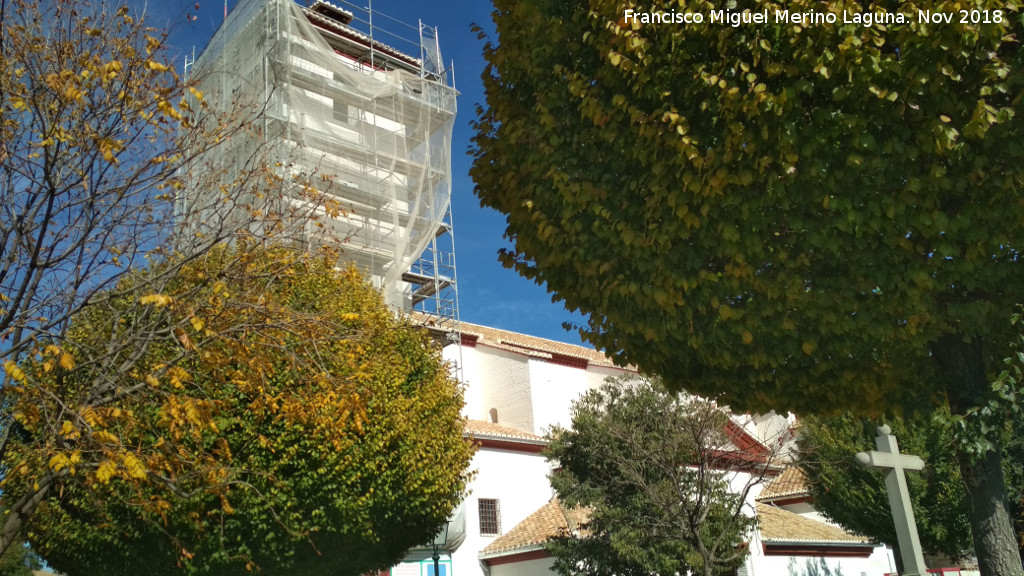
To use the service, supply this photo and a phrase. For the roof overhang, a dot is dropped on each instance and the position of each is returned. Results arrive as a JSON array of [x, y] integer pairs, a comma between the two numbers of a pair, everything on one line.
[[817, 548], [788, 499], [506, 443], [524, 554]]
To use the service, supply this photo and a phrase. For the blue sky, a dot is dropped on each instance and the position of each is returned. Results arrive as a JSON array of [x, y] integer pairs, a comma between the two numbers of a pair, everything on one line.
[[488, 293]]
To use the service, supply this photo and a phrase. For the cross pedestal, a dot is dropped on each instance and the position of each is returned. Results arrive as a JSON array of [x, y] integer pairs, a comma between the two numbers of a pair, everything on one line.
[[889, 459]]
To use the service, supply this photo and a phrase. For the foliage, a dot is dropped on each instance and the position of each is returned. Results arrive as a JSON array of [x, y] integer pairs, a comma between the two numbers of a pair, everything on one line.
[[855, 497], [18, 561], [730, 198], [999, 419], [99, 139], [799, 217], [652, 467], [281, 418]]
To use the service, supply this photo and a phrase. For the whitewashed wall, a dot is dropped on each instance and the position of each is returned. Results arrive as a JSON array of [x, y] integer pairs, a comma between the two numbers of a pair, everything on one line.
[[539, 567], [519, 481], [806, 509], [469, 371], [497, 379], [555, 387]]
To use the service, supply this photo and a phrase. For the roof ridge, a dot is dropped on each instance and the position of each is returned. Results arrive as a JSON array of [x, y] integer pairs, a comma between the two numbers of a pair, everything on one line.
[[790, 483], [565, 515]]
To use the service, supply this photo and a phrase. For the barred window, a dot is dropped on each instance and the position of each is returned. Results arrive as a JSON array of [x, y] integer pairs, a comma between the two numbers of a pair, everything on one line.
[[490, 517]]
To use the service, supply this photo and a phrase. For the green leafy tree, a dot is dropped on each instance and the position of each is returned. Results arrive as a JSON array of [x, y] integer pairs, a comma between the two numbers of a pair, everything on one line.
[[281, 419], [799, 217], [19, 561], [653, 469], [855, 497]]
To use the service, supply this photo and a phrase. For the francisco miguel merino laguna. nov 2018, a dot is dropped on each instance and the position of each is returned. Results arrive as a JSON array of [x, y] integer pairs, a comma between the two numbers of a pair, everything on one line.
[[740, 18]]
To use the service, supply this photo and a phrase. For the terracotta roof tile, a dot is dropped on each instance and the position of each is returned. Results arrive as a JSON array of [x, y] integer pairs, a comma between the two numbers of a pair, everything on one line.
[[534, 346], [791, 483], [549, 521], [330, 10], [778, 525], [478, 428]]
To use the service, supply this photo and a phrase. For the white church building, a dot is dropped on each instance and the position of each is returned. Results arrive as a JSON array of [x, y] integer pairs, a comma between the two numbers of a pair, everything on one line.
[[517, 388]]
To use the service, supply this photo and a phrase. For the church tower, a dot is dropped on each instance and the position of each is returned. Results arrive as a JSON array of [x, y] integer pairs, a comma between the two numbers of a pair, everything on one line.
[[356, 111]]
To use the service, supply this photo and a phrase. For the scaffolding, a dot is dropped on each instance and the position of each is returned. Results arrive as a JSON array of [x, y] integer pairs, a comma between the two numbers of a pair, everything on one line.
[[434, 282], [361, 106]]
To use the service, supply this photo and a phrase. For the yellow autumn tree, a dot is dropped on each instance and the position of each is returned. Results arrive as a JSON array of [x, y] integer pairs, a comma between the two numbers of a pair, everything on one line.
[[281, 419], [99, 140]]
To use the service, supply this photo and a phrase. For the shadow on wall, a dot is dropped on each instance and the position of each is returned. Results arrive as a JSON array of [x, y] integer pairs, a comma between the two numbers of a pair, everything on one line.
[[813, 567]]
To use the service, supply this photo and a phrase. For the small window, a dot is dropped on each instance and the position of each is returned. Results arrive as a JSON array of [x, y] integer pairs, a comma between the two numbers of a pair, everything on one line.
[[494, 415], [490, 517], [427, 568]]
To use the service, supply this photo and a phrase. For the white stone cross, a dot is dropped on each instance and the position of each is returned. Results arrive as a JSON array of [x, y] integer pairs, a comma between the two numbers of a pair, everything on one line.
[[888, 458]]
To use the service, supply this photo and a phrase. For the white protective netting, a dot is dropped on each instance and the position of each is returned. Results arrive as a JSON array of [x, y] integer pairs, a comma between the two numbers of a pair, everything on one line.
[[376, 141]]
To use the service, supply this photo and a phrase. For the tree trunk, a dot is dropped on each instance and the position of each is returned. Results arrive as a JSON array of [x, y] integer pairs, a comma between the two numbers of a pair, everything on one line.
[[20, 512], [991, 522], [995, 541]]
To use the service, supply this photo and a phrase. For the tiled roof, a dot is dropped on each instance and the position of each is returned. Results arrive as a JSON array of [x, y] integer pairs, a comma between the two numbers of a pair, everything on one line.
[[777, 526], [534, 346], [331, 24], [549, 521], [783, 526], [790, 484], [482, 428]]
